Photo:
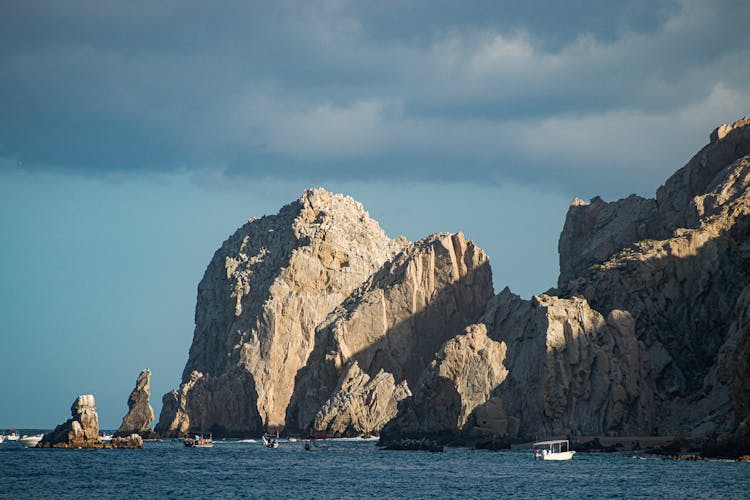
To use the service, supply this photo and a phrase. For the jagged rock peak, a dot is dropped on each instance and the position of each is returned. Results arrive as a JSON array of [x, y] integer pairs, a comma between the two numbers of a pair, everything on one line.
[[720, 132], [595, 232], [577, 202], [262, 295], [140, 414]]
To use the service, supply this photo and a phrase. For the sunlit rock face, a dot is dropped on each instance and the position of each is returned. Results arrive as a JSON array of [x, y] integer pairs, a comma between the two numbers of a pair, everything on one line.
[[264, 292], [80, 431], [396, 321], [140, 414]]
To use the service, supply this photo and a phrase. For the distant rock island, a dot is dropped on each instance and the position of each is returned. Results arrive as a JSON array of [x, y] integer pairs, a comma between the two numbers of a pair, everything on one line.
[[82, 430], [313, 321]]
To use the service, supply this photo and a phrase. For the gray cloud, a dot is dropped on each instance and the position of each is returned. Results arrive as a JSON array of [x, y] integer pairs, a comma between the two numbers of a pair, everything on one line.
[[583, 94]]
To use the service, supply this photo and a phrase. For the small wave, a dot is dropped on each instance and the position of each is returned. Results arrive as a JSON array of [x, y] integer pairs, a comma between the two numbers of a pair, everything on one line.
[[247, 441]]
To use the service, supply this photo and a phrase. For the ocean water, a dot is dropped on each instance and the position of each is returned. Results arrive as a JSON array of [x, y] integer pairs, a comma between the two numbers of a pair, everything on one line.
[[352, 469]]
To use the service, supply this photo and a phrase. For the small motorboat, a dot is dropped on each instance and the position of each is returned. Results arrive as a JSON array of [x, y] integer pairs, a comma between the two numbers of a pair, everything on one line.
[[271, 441], [13, 436], [200, 441], [2, 438], [106, 437], [553, 450], [31, 441]]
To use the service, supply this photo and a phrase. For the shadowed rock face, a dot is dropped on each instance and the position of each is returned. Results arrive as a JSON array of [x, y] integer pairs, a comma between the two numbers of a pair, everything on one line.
[[264, 292], [540, 367], [140, 414], [397, 320], [462, 376], [684, 283]]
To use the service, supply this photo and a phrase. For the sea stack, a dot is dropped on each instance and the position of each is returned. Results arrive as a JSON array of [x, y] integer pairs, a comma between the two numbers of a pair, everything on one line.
[[140, 414], [82, 430]]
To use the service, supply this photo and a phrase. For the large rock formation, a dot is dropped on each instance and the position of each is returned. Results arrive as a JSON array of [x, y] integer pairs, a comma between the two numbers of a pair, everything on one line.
[[532, 368], [462, 377], [396, 321], [262, 296], [682, 281], [314, 320], [140, 414], [82, 430]]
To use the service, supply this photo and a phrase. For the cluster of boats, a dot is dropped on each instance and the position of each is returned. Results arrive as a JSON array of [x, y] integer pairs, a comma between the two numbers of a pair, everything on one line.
[[269, 441], [28, 441]]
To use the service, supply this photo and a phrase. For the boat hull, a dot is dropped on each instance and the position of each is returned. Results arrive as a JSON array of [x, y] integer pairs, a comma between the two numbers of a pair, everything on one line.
[[564, 455], [30, 441]]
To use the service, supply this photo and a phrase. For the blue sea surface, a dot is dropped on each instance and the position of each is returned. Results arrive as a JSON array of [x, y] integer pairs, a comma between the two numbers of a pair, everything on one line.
[[352, 469]]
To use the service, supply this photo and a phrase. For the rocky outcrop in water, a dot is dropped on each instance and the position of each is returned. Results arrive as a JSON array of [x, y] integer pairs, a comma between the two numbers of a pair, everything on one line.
[[397, 320], [82, 430], [262, 296], [140, 414]]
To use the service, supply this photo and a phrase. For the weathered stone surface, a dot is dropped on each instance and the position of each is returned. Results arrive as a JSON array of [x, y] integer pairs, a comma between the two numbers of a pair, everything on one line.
[[131, 441], [462, 376], [546, 366], [140, 414], [81, 431], [398, 319], [570, 369], [684, 285], [594, 231], [262, 295], [360, 405]]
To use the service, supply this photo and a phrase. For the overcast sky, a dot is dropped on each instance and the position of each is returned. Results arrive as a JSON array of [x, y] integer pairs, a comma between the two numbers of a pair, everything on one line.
[[136, 136]]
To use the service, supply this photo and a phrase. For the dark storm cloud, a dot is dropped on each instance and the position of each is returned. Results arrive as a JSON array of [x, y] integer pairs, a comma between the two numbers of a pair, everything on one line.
[[478, 91]]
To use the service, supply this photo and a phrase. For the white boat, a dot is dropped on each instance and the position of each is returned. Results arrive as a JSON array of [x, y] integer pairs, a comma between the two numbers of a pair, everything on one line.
[[31, 441], [106, 437], [553, 450], [2, 438], [13, 436], [271, 441]]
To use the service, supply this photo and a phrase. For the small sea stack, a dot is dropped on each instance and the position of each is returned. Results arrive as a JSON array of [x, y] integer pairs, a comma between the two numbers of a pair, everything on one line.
[[140, 413], [82, 430]]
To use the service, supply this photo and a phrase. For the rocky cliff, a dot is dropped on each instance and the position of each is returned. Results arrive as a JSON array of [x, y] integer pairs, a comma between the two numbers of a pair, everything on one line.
[[140, 414], [395, 322], [682, 279], [314, 321], [259, 302]]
